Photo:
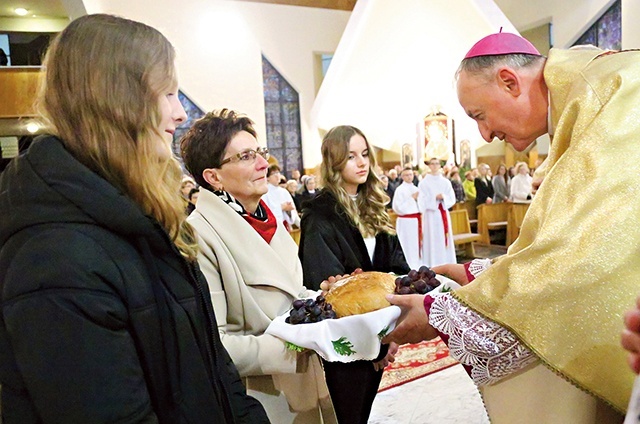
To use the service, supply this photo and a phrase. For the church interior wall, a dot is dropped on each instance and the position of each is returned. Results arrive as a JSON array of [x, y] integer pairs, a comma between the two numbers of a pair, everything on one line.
[[570, 18], [219, 44]]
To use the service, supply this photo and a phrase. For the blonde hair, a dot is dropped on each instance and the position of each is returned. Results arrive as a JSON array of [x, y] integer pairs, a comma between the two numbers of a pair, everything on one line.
[[104, 76], [368, 212], [519, 165]]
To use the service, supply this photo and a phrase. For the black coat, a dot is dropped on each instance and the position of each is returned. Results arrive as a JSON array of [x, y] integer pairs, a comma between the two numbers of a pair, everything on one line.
[[102, 318], [301, 198], [331, 245], [484, 190]]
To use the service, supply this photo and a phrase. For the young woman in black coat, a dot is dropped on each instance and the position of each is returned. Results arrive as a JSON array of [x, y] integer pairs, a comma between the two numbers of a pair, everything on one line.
[[105, 316], [344, 228]]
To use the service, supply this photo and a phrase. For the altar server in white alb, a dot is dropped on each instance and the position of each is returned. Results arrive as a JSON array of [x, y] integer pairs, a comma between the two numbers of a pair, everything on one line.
[[409, 222], [279, 200], [435, 198]]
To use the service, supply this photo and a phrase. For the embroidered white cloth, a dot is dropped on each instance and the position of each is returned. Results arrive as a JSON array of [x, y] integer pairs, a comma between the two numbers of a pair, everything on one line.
[[349, 338], [492, 351], [340, 340], [477, 266]]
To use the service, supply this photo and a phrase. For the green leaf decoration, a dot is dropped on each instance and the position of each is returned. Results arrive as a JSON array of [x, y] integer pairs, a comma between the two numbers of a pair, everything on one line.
[[293, 347], [343, 347], [383, 332], [445, 290]]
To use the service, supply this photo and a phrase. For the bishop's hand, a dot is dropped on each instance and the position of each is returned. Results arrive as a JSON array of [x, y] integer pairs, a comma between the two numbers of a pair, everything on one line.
[[454, 271], [631, 336], [413, 324]]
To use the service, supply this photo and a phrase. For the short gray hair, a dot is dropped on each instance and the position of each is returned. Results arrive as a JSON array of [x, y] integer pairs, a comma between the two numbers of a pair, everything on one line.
[[481, 64]]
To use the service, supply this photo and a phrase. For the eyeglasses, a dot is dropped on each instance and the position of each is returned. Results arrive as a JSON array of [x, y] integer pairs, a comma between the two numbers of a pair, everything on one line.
[[247, 156]]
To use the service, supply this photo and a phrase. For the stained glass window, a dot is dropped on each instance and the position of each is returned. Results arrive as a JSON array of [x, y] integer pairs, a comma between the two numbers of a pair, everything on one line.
[[282, 113], [193, 114], [606, 32]]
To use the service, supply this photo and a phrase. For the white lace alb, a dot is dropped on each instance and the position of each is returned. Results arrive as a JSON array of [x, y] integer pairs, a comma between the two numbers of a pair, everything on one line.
[[492, 352], [477, 266]]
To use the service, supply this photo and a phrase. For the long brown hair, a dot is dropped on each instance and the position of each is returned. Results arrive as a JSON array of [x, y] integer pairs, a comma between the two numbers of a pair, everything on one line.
[[368, 212], [506, 172], [104, 76]]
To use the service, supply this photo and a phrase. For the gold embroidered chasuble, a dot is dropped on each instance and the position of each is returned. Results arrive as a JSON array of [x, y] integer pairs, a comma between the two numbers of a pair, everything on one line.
[[565, 283]]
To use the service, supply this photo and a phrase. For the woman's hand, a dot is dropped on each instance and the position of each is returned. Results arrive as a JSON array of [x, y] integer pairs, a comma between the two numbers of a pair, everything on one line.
[[389, 358], [454, 271], [326, 285], [413, 324], [631, 336]]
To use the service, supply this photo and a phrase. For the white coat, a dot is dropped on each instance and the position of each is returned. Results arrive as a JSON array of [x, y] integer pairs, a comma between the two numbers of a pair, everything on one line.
[[251, 282]]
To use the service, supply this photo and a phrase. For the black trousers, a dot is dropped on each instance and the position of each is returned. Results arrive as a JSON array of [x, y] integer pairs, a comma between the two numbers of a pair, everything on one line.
[[353, 387]]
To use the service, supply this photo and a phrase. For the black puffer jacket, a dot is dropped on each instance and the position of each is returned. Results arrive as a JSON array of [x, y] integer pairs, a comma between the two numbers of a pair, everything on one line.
[[102, 319], [331, 245]]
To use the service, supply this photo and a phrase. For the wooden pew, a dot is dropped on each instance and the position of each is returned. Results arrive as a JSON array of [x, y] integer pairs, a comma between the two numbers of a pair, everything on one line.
[[491, 216], [295, 234], [470, 207], [515, 216], [462, 235], [457, 206]]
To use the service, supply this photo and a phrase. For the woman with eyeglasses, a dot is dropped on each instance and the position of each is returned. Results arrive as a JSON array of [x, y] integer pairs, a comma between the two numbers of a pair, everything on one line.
[[252, 267]]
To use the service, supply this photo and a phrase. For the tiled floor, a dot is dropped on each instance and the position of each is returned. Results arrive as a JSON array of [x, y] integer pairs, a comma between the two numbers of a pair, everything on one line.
[[445, 397], [484, 251]]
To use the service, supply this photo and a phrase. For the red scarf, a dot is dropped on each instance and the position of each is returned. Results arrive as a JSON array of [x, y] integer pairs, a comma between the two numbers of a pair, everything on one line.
[[266, 228], [445, 223], [418, 216]]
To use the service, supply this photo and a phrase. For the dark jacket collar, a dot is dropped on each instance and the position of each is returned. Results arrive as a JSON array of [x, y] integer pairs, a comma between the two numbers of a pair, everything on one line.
[[48, 185], [326, 205]]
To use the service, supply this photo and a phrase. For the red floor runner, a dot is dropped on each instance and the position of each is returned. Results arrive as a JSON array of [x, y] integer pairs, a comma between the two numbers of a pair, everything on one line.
[[414, 361]]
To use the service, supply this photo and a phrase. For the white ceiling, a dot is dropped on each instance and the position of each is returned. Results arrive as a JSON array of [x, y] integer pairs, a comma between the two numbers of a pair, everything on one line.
[[40, 8]]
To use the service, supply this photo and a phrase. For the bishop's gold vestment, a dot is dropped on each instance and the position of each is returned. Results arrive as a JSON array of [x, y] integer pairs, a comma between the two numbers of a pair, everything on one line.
[[566, 282]]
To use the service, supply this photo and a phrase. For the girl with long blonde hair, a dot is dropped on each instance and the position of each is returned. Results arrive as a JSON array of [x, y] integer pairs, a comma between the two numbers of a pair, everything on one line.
[[104, 313], [368, 212], [345, 228], [111, 122]]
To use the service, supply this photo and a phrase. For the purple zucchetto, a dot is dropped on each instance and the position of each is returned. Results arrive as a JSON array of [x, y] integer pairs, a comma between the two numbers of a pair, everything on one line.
[[501, 43]]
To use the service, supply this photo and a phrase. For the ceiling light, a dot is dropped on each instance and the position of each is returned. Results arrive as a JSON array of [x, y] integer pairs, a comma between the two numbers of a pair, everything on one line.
[[33, 127], [21, 11]]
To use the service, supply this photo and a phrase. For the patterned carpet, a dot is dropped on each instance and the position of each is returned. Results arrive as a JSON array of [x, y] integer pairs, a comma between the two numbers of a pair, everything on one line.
[[414, 361]]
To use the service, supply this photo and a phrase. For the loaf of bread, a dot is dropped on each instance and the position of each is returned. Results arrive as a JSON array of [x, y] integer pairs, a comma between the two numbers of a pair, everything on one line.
[[361, 293]]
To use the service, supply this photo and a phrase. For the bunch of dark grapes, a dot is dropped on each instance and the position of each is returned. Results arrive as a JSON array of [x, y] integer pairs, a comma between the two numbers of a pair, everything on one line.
[[417, 282], [306, 311]]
